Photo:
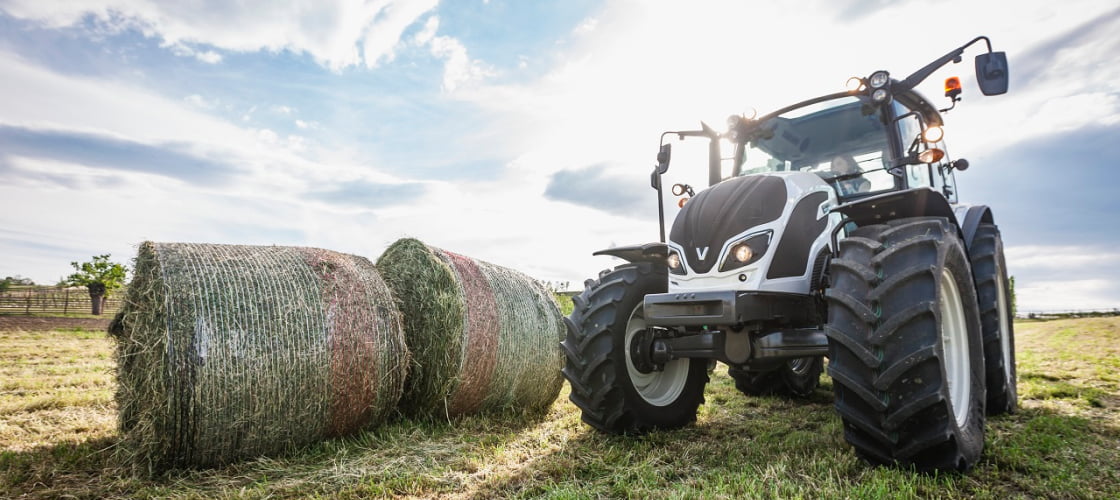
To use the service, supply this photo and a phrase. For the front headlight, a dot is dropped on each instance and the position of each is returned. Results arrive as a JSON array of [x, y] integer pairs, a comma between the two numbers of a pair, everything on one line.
[[674, 262], [879, 79], [746, 251]]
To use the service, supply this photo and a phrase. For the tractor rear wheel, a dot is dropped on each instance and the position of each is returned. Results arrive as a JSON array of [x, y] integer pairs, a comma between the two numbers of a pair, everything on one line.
[[905, 351], [797, 377], [613, 393], [989, 270]]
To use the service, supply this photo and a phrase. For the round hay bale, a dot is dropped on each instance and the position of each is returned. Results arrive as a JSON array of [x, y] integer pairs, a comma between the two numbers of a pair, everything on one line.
[[226, 352], [482, 337]]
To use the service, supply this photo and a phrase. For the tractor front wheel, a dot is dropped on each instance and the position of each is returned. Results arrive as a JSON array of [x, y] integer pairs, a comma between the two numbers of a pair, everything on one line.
[[614, 394], [905, 351]]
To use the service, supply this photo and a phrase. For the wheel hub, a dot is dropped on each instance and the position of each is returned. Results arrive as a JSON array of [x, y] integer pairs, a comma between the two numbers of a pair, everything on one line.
[[648, 352]]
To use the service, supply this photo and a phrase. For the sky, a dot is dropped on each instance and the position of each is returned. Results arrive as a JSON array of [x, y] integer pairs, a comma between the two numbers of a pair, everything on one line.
[[520, 133]]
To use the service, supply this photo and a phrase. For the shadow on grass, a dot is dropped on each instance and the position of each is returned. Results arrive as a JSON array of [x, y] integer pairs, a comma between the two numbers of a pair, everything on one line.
[[753, 447], [58, 467], [766, 447]]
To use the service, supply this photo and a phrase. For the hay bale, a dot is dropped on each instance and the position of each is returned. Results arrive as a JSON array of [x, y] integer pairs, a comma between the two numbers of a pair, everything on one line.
[[226, 352], [483, 337]]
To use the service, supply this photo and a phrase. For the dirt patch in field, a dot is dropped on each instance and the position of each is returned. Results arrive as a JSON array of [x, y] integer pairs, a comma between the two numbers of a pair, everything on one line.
[[30, 323]]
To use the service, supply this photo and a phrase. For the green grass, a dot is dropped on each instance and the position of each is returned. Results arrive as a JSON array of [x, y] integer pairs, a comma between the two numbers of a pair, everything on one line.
[[1061, 444]]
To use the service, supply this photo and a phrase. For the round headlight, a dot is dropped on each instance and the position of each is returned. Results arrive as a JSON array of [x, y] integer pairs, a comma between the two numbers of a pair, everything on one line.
[[674, 260], [933, 134], [879, 95], [742, 253], [879, 79]]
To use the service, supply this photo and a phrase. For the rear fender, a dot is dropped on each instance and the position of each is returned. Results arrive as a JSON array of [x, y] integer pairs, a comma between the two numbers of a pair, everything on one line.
[[971, 216]]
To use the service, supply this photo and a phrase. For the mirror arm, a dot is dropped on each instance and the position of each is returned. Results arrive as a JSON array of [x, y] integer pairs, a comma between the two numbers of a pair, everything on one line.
[[919, 76]]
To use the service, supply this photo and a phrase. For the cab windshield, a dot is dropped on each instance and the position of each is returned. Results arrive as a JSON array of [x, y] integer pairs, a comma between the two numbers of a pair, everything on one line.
[[835, 139]]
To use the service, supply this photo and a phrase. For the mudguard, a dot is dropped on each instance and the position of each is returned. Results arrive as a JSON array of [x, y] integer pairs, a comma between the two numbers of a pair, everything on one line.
[[649, 252], [917, 202]]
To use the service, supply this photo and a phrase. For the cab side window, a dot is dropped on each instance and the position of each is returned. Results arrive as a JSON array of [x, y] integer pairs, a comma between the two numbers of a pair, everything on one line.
[[908, 129]]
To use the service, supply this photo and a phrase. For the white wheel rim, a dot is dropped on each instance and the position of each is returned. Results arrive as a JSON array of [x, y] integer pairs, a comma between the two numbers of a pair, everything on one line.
[[954, 347], [1004, 326], [658, 388]]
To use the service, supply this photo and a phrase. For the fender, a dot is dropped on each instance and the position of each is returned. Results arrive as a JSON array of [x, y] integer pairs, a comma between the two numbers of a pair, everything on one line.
[[649, 252], [916, 202], [971, 216]]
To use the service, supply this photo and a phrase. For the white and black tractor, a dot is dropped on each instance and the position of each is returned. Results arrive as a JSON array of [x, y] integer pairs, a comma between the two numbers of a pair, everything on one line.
[[831, 230]]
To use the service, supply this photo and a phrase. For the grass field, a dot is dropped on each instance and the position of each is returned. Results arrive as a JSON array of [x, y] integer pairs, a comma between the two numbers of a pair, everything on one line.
[[57, 433]]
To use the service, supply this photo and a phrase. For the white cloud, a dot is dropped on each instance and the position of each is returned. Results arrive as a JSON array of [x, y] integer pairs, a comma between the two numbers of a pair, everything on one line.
[[1061, 258], [206, 56], [331, 31], [459, 68], [382, 36], [425, 35], [1064, 277], [1066, 295], [199, 101], [587, 26], [261, 201], [209, 57]]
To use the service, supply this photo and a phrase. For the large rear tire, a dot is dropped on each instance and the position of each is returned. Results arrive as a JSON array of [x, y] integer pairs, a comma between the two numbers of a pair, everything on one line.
[[796, 378], [989, 270], [613, 394], [905, 351]]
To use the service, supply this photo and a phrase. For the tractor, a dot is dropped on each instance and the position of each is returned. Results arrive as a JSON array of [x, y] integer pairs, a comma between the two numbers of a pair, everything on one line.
[[837, 234]]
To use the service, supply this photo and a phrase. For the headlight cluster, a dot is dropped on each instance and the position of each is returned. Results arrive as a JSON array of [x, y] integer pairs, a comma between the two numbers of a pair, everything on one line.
[[743, 252], [879, 81], [746, 251]]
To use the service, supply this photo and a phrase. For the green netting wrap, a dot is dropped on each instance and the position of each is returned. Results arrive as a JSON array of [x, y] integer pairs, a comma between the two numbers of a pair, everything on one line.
[[482, 337], [226, 352]]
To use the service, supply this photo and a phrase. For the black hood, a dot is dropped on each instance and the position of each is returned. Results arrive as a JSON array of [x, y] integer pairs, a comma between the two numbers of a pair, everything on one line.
[[725, 210]]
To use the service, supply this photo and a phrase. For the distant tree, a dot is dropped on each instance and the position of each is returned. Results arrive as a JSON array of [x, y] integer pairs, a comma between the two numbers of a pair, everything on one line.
[[19, 280], [5, 284], [1011, 296], [100, 277]]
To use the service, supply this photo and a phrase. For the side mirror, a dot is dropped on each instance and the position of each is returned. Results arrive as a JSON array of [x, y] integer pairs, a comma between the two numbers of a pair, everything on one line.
[[663, 157], [960, 164], [991, 73]]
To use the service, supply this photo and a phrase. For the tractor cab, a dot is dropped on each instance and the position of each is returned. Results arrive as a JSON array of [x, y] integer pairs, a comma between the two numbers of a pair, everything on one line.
[[847, 142]]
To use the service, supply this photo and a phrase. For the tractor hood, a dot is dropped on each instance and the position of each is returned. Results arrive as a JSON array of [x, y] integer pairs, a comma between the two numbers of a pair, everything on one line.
[[723, 211]]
